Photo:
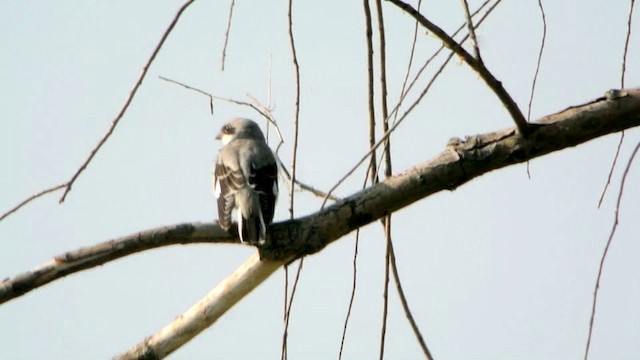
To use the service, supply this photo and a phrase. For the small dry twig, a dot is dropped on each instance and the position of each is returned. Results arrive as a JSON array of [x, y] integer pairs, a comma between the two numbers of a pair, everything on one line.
[[472, 31], [226, 34], [31, 198]]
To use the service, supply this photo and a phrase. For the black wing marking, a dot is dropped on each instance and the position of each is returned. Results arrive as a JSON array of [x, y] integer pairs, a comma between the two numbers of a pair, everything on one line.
[[264, 181]]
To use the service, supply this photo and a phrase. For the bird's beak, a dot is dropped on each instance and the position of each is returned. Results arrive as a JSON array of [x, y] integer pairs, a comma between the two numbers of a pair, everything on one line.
[[219, 136]]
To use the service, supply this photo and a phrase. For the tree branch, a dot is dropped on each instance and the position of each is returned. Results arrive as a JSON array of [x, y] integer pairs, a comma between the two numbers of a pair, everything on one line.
[[91, 256], [462, 161]]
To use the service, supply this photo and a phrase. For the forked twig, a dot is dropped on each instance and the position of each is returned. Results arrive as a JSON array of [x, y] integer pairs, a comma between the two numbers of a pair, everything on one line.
[[472, 30], [31, 198]]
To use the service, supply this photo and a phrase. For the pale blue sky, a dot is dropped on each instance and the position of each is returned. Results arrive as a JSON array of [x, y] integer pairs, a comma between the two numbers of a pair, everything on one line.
[[501, 268]]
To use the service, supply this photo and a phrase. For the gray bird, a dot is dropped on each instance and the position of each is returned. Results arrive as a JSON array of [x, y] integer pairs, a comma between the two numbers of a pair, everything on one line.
[[246, 179]]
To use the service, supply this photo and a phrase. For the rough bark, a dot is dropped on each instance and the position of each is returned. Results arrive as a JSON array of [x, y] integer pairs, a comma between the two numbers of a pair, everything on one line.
[[462, 161]]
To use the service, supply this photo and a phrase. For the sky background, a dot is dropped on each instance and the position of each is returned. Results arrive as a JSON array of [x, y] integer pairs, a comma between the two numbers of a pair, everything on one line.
[[501, 268]]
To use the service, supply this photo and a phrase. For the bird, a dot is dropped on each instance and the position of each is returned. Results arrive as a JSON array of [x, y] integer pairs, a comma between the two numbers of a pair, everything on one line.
[[245, 178]]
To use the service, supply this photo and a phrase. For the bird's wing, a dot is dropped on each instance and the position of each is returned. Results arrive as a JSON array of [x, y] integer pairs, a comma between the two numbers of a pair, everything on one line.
[[264, 181], [262, 177], [228, 178]]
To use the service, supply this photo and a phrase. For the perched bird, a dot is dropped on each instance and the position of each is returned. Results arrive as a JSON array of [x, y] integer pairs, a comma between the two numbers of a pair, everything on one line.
[[246, 179]]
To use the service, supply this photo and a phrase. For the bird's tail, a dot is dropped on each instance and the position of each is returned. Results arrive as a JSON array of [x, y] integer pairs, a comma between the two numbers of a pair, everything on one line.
[[251, 226]]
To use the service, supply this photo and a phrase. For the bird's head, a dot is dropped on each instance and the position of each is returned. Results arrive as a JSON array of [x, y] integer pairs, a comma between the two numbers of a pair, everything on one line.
[[239, 128]]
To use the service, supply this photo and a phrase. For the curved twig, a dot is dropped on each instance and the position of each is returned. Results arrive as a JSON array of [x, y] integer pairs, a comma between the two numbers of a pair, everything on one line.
[[129, 99], [606, 250]]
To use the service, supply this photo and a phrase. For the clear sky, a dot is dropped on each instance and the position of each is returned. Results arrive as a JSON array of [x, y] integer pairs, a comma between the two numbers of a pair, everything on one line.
[[501, 268]]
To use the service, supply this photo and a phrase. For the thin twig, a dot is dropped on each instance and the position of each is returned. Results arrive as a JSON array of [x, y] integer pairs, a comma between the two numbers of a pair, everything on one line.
[[285, 304], [535, 75], [411, 56], [626, 45], [303, 186], [354, 279], [472, 31], [405, 305], [383, 87], [354, 283], [385, 291], [296, 72], [494, 84], [370, 90], [211, 97], [294, 157], [128, 101], [31, 198], [287, 317], [613, 166], [606, 249], [266, 113], [622, 78], [542, 43], [388, 169], [226, 34]]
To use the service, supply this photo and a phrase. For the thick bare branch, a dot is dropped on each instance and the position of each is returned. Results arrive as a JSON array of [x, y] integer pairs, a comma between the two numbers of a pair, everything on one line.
[[91, 256], [184, 328], [461, 162]]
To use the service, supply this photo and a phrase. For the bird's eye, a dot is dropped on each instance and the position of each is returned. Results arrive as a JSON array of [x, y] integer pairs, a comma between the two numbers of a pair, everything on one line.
[[227, 129]]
